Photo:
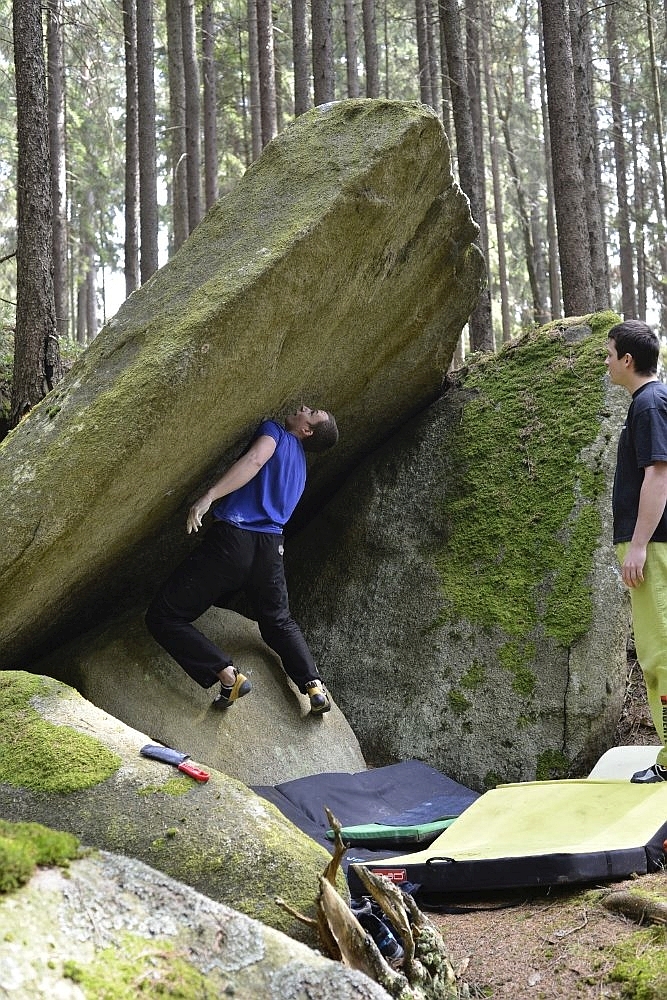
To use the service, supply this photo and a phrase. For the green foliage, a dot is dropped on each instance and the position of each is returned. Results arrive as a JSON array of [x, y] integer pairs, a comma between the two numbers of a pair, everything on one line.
[[551, 765], [40, 755], [521, 510], [23, 846], [642, 965]]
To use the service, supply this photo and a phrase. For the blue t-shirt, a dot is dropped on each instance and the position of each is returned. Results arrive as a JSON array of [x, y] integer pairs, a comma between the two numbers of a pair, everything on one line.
[[642, 442], [266, 503]]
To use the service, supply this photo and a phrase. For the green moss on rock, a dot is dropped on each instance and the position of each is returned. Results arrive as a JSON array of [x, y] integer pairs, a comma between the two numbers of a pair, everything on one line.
[[552, 764], [23, 846], [523, 559], [40, 755]]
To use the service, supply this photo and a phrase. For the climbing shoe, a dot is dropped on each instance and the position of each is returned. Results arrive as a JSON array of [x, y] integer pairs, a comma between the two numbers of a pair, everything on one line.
[[319, 699], [656, 772], [231, 693]]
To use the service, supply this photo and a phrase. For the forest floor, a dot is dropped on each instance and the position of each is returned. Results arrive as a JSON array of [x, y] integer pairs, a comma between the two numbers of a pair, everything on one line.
[[559, 944]]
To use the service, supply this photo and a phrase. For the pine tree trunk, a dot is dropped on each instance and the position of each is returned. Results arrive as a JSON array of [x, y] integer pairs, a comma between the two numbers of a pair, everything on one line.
[[267, 70], [37, 364], [583, 72], [56, 105], [573, 246], [481, 331], [177, 145], [552, 237], [424, 65], [351, 56], [628, 300], [301, 57], [192, 112], [657, 104], [253, 70], [432, 27], [131, 149], [323, 60], [148, 211], [370, 48], [210, 105]]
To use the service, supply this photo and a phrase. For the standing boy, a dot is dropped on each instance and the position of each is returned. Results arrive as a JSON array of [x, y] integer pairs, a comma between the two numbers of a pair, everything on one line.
[[640, 517]]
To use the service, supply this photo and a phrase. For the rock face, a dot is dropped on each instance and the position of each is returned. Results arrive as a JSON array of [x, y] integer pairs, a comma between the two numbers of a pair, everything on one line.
[[114, 926], [70, 766], [467, 608], [340, 271], [267, 738]]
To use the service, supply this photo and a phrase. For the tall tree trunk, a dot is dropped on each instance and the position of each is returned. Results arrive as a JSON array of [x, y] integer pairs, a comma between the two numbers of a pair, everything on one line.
[[371, 49], [56, 105], [639, 208], [574, 252], [323, 58], [253, 71], [177, 145], [552, 237], [657, 103], [148, 212], [301, 57], [37, 365], [583, 72], [192, 112], [131, 149], [481, 331], [444, 80], [351, 56], [475, 98], [432, 26], [628, 301], [495, 174], [210, 105], [423, 62], [267, 70]]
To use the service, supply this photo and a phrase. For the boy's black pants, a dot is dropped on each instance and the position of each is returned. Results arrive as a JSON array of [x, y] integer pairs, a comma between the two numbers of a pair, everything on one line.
[[229, 559]]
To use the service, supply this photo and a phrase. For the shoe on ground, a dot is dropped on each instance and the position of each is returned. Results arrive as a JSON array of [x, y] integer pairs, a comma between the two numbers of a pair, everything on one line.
[[319, 699], [229, 694], [656, 772]]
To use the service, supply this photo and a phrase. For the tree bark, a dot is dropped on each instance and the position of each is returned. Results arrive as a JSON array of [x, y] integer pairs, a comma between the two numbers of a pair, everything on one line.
[[301, 56], [253, 71], [351, 55], [37, 364], [552, 236], [267, 70], [210, 105], [131, 148], [583, 71], [323, 64], [56, 105], [192, 112], [148, 212], [628, 300], [177, 145], [423, 62], [481, 331], [573, 246], [370, 49]]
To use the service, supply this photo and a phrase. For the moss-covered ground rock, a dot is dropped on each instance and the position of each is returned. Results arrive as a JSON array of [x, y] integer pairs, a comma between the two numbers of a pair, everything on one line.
[[117, 929], [467, 608], [340, 270], [218, 837]]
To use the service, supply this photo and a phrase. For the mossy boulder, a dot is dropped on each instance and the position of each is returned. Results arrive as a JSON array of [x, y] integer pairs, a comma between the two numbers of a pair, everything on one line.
[[340, 270], [116, 928], [268, 737], [70, 766], [467, 609]]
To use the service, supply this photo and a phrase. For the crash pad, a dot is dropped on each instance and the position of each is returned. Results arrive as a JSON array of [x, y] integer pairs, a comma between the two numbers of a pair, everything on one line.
[[539, 833], [396, 805]]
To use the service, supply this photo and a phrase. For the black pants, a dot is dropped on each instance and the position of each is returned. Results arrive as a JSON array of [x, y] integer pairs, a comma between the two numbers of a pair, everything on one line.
[[228, 560]]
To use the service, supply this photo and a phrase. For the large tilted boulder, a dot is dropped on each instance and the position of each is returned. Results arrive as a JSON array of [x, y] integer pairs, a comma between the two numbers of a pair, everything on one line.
[[112, 926], [268, 737], [467, 608], [340, 270], [70, 766]]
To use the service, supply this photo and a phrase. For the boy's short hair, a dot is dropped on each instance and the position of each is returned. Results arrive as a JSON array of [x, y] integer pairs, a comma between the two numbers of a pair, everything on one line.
[[324, 436], [637, 339]]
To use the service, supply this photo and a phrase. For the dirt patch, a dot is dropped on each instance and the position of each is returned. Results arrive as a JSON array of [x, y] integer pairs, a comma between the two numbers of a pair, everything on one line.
[[555, 944]]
